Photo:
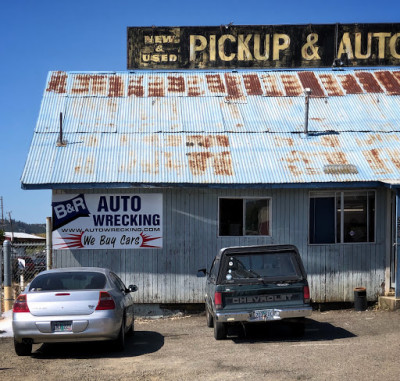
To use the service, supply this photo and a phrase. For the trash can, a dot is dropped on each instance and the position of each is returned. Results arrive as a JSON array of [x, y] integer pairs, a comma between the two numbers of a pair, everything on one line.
[[360, 298]]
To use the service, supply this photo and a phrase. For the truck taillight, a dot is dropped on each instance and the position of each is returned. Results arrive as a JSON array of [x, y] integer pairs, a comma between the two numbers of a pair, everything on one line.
[[106, 302], [218, 300], [306, 294], [21, 305]]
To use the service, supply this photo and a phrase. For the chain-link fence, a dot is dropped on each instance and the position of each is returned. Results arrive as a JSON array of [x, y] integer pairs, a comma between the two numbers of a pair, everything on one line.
[[27, 260]]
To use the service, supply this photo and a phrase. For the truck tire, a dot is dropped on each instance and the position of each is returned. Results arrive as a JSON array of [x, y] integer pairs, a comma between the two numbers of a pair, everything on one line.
[[219, 330], [209, 318]]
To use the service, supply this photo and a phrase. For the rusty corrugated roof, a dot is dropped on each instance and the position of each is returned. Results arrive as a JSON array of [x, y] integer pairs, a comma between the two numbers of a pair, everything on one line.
[[216, 128]]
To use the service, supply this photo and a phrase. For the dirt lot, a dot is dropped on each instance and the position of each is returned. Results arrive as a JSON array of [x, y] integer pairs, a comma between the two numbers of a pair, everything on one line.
[[338, 345]]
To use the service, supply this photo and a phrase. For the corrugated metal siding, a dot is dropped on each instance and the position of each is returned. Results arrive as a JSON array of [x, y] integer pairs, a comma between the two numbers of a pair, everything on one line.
[[191, 242], [168, 127]]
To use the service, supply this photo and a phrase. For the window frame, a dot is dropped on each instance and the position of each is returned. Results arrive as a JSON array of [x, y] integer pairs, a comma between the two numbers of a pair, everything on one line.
[[244, 199], [339, 196]]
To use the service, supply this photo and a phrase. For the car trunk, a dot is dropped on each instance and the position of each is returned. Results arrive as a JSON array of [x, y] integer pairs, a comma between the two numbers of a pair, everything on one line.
[[62, 303], [236, 296]]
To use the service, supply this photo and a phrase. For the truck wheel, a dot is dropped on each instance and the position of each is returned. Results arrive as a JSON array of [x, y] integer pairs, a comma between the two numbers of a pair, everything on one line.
[[219, 330], [23, 349], [209, 318]]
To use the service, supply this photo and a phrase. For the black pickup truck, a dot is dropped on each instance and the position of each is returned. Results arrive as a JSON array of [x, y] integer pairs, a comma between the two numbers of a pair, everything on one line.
[[256, 284]]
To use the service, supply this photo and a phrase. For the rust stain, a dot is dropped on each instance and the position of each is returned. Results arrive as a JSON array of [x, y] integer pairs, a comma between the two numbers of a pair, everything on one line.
[[215, 83], [92, 141], [99, 84], [394, 156], [198, 162], [130, 165], [389, 82], [135, 86], [396, 74], [283, 142], [223, 164], [116, 86], [331, 85], [81, 84], [151, 166], [252, 84], [89, 166], [194, 86], [309, 80], [375, 161], [173, 141], [330, 141], [123, 140], [156, 86], [172, 163], [152, 139], [207, 141], [294, 170], [58, 82], [335, 157], [350, 84], [370, 140], [293, 87], [369, 82], [176, 84], [233, 86], [300, 157], [271, 86]]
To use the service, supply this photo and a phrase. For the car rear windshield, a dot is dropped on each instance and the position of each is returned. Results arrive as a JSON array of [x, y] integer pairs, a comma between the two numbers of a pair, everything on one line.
[[68, 281], [267, 266]]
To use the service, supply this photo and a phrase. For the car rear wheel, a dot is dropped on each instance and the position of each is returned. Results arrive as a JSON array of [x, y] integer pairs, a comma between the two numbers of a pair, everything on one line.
[[209, 318], [23, 349], [119, 343], [219, 330]]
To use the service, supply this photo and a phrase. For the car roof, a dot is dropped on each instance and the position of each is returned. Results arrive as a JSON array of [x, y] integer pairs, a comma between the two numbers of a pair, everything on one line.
[[77, 269]]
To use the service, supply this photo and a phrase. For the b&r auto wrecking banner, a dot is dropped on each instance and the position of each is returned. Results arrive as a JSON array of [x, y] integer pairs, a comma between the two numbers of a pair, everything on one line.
[[107, 221]]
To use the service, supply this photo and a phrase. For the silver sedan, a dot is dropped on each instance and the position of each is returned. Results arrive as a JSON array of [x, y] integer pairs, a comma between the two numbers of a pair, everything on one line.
[[73, 304]]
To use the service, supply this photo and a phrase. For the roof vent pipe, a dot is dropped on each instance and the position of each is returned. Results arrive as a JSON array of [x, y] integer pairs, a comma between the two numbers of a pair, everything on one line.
[[307, 93], [61, 142]]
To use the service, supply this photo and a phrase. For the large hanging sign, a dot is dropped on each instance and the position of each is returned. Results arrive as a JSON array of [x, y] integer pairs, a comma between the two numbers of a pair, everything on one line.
[[263, 46], [107, 221]]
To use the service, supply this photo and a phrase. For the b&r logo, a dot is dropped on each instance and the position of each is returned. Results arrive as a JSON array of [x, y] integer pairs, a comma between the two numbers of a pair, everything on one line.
[[69, 210]]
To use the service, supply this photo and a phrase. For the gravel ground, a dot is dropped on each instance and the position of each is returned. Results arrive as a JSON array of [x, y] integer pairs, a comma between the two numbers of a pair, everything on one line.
[[338, 345]]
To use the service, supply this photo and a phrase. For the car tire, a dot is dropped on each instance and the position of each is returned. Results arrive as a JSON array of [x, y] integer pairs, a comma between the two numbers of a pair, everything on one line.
[[131, 330], [23, 349], [209, 318], [119, 343], [219, 330]]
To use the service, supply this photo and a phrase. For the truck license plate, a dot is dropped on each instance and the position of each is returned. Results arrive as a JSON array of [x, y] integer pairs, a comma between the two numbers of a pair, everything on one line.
[[260, 315], [62, 326]]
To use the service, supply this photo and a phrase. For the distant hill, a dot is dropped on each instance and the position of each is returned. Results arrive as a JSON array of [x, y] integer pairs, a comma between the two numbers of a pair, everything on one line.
[[22, 227]]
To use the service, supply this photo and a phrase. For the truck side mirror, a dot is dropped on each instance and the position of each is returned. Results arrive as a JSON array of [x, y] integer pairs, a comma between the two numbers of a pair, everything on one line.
[[201, 273]]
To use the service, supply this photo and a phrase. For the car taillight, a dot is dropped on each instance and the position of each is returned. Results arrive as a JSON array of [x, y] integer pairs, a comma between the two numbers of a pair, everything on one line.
[[306, 294], [218, 300], [106, 302], [21, 305]]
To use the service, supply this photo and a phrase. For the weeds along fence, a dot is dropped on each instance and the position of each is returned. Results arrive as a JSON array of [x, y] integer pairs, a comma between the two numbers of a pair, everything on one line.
[[27, 260]]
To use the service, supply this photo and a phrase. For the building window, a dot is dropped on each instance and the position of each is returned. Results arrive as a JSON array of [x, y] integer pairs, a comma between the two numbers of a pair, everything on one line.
[[342, 217], [244, 217]]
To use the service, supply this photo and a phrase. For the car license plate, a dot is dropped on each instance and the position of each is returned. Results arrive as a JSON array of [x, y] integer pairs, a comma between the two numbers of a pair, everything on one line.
[[260, 315], [62, 326]]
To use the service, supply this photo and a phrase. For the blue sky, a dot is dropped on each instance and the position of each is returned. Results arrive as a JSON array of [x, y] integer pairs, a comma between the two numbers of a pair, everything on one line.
[[41, 35]]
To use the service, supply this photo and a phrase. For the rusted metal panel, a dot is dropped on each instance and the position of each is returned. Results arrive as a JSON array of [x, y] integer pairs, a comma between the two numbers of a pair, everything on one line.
[[389, 82], [292, 85], [309, 80], [252, 84], [272, 88], [57, 82], [350, 84], [369, 82], [331, 85]]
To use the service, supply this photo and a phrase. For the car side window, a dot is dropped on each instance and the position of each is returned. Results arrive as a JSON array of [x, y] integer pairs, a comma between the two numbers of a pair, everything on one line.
[[214, 270]]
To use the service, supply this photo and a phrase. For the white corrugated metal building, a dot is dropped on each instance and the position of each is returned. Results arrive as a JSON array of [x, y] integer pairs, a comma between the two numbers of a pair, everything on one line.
[[231, 163]]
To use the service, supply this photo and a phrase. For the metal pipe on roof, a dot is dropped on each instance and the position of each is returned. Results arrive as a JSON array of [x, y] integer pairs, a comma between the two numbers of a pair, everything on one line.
[[307, 93]]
